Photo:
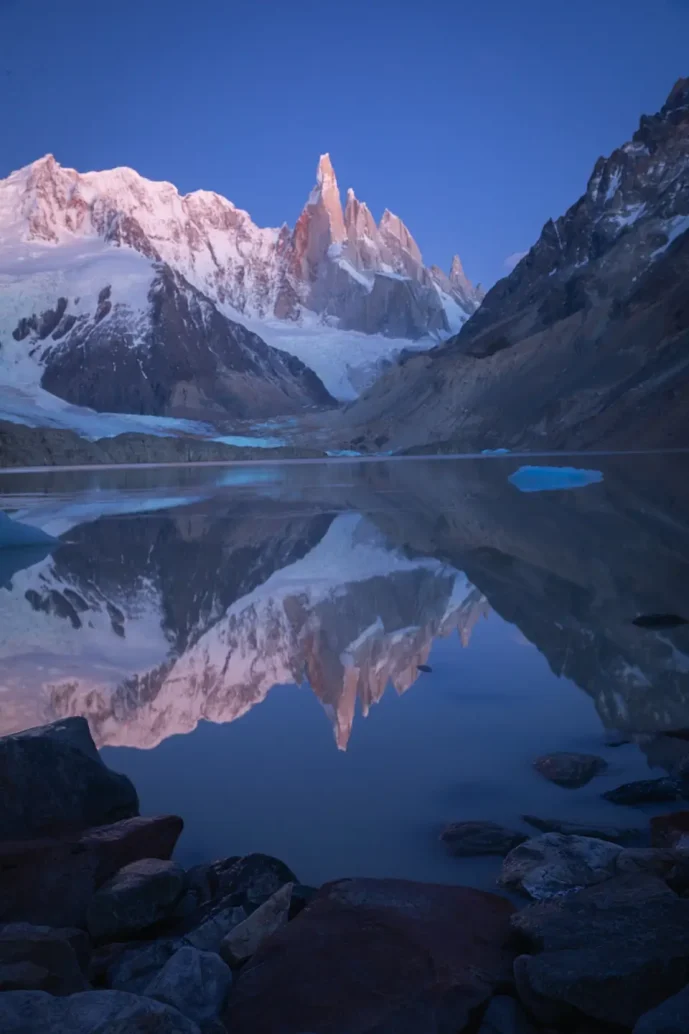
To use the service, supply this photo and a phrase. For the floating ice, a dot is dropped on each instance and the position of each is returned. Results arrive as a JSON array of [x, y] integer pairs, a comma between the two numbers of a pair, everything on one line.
[[494, 452], [545, 479], [342, 452], [244, 442]]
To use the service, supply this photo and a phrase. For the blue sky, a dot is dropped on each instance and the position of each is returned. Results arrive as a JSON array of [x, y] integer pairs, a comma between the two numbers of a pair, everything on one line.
[[474, 122]]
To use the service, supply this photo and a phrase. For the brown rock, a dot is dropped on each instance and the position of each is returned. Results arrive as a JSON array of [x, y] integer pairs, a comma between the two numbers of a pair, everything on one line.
[[51, 881], [570, 770], [667, 863], [136, 898], [669, 830], [371, 955]]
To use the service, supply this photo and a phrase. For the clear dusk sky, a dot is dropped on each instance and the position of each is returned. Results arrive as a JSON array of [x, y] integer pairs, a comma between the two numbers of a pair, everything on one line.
[[475, 122]]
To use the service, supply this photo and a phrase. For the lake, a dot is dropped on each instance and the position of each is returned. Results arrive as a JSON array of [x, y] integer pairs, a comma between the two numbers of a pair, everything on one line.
[[328, 662]]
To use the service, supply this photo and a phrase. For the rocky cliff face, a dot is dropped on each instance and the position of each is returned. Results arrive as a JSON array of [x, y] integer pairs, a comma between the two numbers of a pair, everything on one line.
[[586, 342]]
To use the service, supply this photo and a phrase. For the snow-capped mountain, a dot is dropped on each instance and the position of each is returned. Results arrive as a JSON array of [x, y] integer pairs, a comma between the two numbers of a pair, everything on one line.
[[122, 295], [586, 342]]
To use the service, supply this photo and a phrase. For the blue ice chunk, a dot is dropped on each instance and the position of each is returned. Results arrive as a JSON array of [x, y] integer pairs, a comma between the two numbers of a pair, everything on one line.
[[243, 441], [545, 479], [494, 452], [14, 534], [342, 452]]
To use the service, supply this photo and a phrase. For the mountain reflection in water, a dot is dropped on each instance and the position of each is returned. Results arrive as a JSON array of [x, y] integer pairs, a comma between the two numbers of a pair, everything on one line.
[[178, 596]]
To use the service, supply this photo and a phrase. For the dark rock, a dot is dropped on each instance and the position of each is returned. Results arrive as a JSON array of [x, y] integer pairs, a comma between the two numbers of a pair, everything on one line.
[[670, 830], [57, 957], [504, 1015], [133, 967], [246, 938], [376, 955], [251, 879], [135, 898], [645, 791], [209, 935], [670, 1017], [594, 914], [53, 781], [659, 621], [570, 770], [550, 864], [194, 982], [301, 895], [465, 839], [53, 880], [667, 863], [92, 1012], [544, 1011], [614, 834], [612, 952]]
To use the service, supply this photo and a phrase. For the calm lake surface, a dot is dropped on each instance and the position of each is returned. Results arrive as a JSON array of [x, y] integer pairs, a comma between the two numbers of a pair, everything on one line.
[[245, 643]]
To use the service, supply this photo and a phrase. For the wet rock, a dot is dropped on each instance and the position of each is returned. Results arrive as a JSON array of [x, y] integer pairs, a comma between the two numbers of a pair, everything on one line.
[[645, 791], [550, 864], [465, 839], [371, 955], [194, 982], [209, 935], [92, 1012], [133, 968], [612, 952], [595, 914], [670, 1017], [52, 881], [614, 834], [52, 780], [44, 959], [505, 1015], [570, 770], [670, 830], [137, 897], [246, 938], [668, 864]]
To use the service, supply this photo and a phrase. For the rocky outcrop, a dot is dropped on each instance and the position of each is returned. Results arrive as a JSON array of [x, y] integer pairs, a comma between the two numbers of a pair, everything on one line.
[[585, 342], [52, 780]]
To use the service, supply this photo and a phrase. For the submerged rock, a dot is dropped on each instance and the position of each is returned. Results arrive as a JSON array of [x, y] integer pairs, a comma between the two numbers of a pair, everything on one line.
[[194, 982], [615, 834], [92, 1012], [371, 955], [52, 780], [568, 769], [465, 839], [545, 866], [645, 791], [137, 897], [246, 938]]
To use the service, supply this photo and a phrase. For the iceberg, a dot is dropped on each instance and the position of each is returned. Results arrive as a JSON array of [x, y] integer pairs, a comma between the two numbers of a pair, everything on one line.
[[494, 452], [546, 479]]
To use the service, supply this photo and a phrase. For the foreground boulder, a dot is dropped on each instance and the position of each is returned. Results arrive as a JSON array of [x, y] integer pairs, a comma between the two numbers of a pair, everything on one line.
[[550, 864], [132, 966], [669, 864], [568, 769], [194, 982], [465, 839], [52, 780], [137, 897], [52, 881], [370, 955], [93, 1012], [43, 959], [611, 952], [246, 938]]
